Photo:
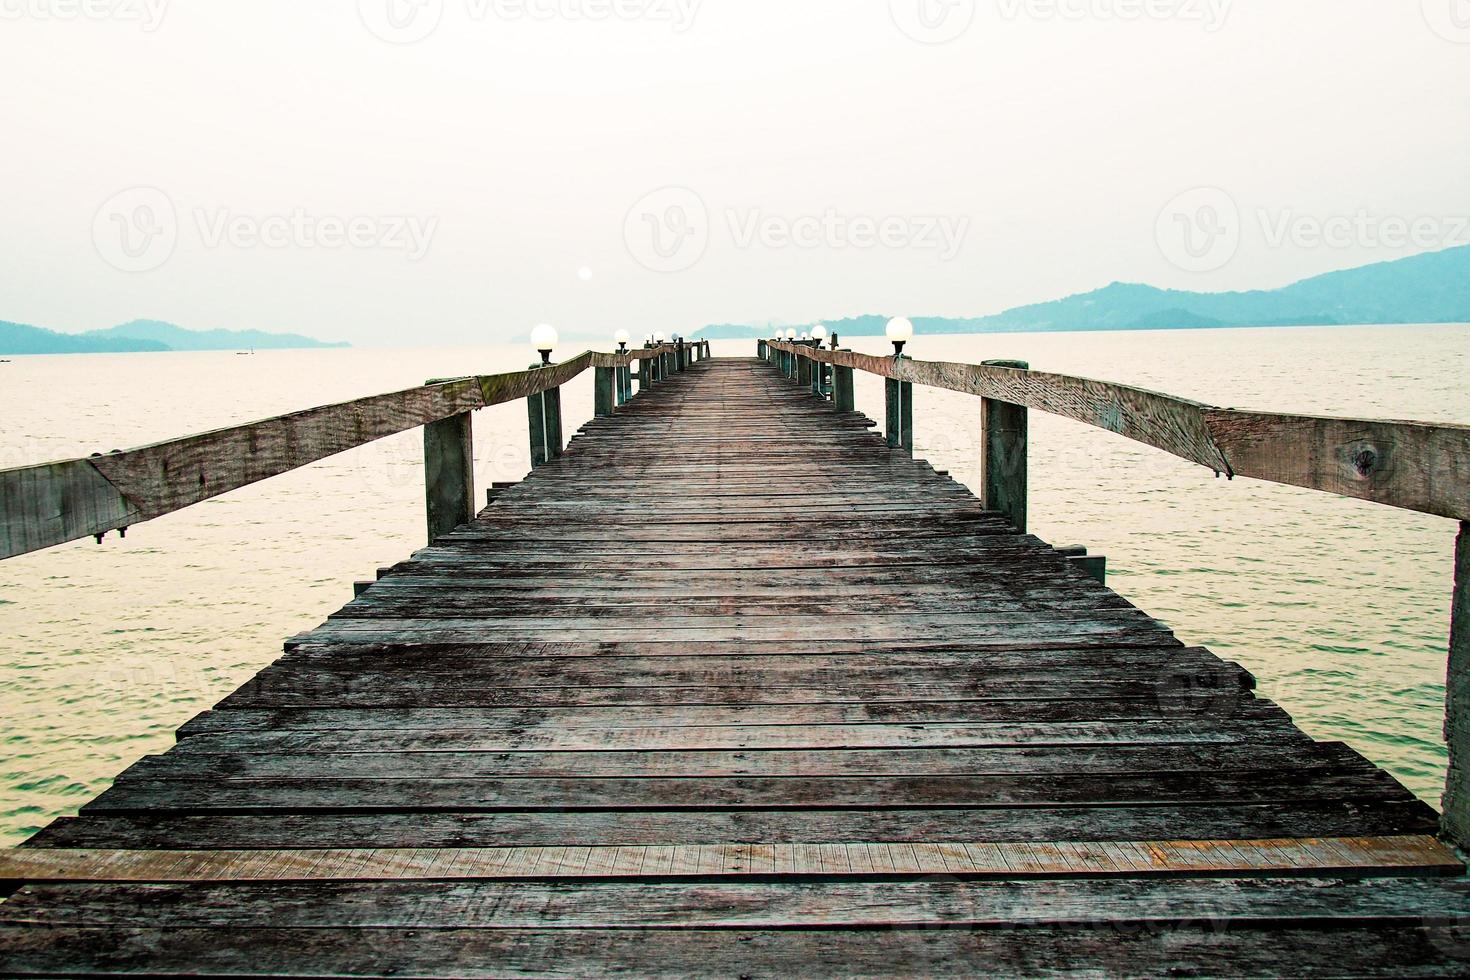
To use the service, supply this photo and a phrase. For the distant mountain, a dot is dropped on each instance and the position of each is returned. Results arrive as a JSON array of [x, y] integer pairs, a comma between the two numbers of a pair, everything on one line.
[[143, 335], [1429, 288]]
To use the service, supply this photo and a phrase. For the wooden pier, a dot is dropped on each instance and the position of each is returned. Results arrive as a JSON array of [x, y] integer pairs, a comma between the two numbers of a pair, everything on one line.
[[734, 686]]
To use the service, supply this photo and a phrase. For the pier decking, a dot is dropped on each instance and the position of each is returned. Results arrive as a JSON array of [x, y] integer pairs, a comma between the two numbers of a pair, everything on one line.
[[734, 688]]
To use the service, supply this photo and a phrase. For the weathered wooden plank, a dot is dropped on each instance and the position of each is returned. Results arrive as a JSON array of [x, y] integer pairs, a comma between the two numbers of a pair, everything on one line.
[[1457, 700], [935, 762], [1379, 857], [1414, 465], [52, 503], [1194, 949], [57, 502], [1299, 821], [1420, 466], [748, 904], [346, 794]]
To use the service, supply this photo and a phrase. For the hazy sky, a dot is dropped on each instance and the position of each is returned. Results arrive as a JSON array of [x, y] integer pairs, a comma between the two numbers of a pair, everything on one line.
[[445, 171]]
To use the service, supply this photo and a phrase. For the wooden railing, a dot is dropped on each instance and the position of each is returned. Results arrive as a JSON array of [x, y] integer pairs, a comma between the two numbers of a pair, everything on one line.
[[1419, 466], [52, 503]]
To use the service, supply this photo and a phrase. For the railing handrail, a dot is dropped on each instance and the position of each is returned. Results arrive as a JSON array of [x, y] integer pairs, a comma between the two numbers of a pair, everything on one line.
[[1419, 466], [52, 503]]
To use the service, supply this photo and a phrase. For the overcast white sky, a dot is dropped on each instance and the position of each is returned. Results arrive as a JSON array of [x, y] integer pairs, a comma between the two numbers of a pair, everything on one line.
[[527, 160]]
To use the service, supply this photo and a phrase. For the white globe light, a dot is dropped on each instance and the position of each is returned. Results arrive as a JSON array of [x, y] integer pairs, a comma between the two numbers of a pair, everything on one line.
[[658, 337], [790, 333], [621, 337], [900, 330], [819, 332], [543, 337]]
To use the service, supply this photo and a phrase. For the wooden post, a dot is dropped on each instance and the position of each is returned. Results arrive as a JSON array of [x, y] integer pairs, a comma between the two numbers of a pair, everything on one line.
[[803, 371], [449, 474], [842, 394], [645, 373], [544, 413], [603, 399], [1003, 433], [900, 415], [625, 384], [1456, 820]]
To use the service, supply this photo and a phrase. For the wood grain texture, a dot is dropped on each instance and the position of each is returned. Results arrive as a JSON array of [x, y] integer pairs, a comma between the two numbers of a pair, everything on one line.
[[1419, 466], [52, 503], [1133, 859], [734, 669]]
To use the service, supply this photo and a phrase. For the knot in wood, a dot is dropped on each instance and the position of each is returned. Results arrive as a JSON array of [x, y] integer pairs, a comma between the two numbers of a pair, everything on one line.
[[1364, 460]]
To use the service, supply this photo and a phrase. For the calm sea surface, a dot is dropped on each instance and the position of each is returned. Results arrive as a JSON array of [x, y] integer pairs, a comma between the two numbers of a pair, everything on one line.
[[1339, 607]]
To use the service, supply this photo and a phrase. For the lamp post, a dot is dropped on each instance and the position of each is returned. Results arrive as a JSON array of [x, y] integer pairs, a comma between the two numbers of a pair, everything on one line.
[[544, 407], [900, 394], [544, 338], [900, 331]]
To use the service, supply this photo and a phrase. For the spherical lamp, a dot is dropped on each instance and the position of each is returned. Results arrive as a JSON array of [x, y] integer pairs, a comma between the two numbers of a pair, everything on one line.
[[543, 338], [900, 330]]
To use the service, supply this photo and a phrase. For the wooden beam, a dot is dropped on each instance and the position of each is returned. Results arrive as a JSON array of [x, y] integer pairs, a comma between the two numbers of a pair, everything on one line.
[[1414, 465], [603, 395], [1004, 435], [1374, 856], [52, 503], [1419, 466], [1456, 821], [449, 474]]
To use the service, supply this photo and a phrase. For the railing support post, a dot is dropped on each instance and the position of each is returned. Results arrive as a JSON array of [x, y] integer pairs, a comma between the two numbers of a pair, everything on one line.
[[645, 373], [899, 423], [803, 371], [842, 394], [625, 384], [1456, 821], [544, 413], [1004, 433], [603, 398], [449, 474]]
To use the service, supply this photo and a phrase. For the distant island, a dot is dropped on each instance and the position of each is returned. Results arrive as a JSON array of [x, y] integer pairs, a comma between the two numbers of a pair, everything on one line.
[[1429, 288], [144, 335]]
